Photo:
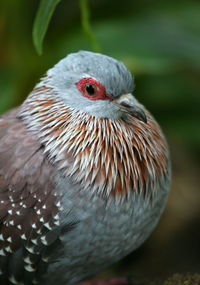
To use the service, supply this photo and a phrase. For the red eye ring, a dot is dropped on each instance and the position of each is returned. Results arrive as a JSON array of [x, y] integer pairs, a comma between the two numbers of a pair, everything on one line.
[[92, 89]]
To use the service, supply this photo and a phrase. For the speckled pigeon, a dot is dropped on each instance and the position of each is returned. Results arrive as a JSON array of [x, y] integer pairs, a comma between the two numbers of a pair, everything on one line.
[[84, 174]]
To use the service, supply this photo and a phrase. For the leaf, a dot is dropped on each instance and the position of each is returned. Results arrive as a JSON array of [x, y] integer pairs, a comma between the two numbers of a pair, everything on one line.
[[151, 43], [42, 19], [86, 25]]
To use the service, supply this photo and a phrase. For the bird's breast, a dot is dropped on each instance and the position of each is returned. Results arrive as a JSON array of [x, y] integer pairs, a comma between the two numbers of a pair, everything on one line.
[[112, 157]]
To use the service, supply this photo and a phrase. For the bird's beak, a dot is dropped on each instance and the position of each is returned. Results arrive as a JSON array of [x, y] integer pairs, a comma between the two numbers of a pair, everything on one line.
[[127, 104]]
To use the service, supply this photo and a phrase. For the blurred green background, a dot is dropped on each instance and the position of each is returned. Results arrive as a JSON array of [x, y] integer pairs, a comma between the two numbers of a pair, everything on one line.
[[159, 41]]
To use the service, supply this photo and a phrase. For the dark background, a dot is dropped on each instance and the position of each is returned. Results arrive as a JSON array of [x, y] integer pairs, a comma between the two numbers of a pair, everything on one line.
[[159, 41]]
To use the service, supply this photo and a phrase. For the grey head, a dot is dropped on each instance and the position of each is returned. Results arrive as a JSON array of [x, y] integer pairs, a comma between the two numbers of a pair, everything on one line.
[[111, 74]]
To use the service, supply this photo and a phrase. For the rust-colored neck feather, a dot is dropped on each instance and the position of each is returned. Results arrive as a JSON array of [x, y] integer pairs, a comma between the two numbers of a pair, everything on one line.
[[113, 157]]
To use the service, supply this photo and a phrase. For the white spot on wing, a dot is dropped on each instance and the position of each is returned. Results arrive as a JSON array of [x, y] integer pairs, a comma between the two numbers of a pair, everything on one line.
[[28, 260], [42, 219], [33, 226], [8, 249], [58, 204], [34, 241], [23, 237], [13, 280], [56, 217], [57, 223], [11, 222], [9, 239], [30, 249], [43, 240], [29, 268], [2, 253]]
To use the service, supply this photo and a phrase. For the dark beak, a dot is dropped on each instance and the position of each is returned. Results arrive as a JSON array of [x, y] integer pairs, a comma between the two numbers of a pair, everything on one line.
[[127, 104]]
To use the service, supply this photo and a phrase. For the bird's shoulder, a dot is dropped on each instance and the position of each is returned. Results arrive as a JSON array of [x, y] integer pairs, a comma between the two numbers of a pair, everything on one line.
[[26, 175]]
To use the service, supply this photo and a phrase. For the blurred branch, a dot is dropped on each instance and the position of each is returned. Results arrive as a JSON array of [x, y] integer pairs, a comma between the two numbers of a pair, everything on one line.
[[41, 23], [86, 25]]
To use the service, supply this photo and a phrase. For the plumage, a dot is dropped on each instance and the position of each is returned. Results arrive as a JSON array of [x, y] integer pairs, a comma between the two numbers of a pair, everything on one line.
[[84, 174]]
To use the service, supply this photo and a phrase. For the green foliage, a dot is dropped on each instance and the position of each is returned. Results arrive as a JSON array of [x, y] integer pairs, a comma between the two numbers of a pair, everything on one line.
[[158, 41], [44, 15], [86, 25], [42, 19]]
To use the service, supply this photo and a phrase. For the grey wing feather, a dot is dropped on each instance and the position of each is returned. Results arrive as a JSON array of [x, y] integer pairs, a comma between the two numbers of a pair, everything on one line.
[[28, 204]]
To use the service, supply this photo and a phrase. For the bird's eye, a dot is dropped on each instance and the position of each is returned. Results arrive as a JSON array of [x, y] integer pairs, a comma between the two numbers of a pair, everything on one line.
[[92, 89]]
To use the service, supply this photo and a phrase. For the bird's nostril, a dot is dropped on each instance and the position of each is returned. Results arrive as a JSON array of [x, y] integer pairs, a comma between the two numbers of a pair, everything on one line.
[[125, 104], [132, 109]]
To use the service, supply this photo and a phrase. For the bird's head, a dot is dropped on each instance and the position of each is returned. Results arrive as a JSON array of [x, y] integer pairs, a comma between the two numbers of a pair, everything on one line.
[[95, 84]]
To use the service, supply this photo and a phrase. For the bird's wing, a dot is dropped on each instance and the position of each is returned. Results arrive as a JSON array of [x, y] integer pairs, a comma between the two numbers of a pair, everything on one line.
[[29, 204]]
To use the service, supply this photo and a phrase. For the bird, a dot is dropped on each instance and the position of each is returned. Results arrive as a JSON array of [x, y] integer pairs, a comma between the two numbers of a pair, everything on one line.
[[84, 173]]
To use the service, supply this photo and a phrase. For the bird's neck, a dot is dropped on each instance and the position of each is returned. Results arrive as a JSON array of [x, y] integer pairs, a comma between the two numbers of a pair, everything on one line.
[[112, 157]]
